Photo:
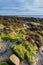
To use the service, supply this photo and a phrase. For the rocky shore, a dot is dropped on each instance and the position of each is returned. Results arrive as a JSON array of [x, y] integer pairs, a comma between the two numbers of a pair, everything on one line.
[[28, 32]]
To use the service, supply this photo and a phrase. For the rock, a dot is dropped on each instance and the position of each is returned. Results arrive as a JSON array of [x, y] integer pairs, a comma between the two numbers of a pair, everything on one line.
[[14, 59], [2, 26], [39, 56], [41, 50], [26, 26], [32, 41], [24, 62], [40, 32], [2, 47], [35, 24]]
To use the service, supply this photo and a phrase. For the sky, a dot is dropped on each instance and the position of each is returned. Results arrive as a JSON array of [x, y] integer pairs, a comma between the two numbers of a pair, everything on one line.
[[21, 7]]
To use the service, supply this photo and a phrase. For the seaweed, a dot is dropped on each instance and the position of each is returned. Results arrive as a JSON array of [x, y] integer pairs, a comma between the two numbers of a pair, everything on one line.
[[29, 57], [23, 52], [19, 50], [10, 37], [3, 63]]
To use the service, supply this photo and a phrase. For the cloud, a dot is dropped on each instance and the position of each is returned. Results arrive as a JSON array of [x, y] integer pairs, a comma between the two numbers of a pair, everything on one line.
[[33, 7], [37, 3], [17, 7]]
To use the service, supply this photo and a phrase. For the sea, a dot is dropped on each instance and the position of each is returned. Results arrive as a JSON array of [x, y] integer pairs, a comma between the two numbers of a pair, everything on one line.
[[35, 16]]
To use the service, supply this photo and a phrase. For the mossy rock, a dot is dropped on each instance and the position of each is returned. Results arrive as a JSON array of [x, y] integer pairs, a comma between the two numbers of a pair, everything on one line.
[[29, 57], [4, 37], [1, 25], [0, 39], [30, 48], [3, 63], [19, 50]]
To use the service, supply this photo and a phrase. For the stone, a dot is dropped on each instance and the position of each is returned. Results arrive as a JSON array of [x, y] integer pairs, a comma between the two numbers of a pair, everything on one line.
[[2, 47], [14, 59], [24, 62], [41, 50]]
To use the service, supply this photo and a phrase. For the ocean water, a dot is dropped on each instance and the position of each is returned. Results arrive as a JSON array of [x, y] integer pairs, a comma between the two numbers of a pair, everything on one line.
[[35, 16]]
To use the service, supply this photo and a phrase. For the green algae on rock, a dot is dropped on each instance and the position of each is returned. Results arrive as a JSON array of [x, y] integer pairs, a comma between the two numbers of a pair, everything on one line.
[[19, 50], [3, 63], [10, 37], [24, 52]]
